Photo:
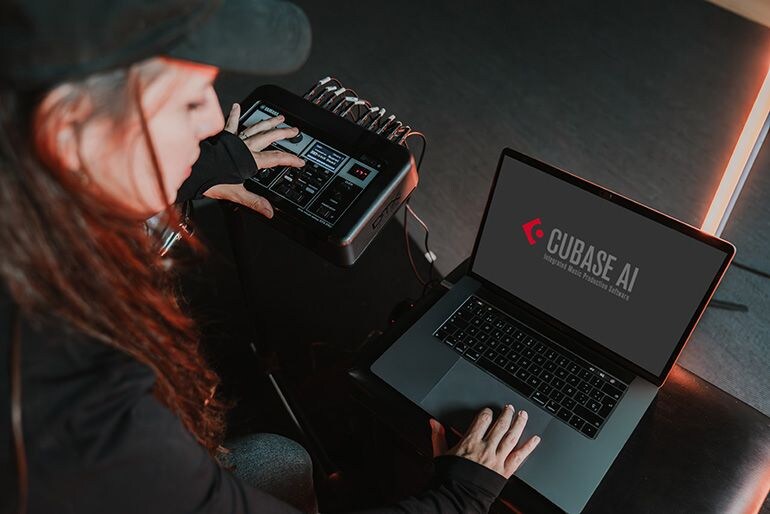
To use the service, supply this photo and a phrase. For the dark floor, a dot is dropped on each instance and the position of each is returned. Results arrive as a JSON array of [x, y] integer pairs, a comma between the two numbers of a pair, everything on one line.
[[646, 97]]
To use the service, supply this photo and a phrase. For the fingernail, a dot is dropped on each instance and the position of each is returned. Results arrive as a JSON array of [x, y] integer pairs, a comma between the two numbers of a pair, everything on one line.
[[523, 413], [233, 107], [509, 407], [537, 439]]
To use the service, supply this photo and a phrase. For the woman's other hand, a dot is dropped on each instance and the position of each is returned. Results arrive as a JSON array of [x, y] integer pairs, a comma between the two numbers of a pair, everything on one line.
[[489, 442]]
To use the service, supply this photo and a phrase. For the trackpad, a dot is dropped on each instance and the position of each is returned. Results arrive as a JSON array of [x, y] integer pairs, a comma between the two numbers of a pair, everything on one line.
[[466, 389]]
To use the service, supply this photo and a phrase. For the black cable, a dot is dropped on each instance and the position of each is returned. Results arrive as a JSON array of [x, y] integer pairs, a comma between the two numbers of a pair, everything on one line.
[[750, 269], [407, 210]]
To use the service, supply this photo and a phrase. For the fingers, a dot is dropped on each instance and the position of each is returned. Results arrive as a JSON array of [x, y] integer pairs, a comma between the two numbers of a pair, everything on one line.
[[480, 425], [500, 427], [511, 437], [257, 203], [273, 158], [231, 125], [516, 458], [261, 126], [236, 193], [438, 438], [264, 139]]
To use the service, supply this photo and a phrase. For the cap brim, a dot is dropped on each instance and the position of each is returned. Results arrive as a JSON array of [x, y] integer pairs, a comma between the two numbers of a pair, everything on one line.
[[260, 37]]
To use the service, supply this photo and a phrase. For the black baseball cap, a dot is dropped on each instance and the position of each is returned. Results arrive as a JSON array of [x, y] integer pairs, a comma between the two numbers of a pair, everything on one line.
[[44, 43]]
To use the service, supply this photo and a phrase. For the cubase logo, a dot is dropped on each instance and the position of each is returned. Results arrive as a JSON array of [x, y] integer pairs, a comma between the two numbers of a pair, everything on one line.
[[529, 227], [583, 259]]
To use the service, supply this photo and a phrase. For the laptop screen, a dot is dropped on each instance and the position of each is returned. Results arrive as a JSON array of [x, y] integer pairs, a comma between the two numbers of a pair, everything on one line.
[[628, 282]]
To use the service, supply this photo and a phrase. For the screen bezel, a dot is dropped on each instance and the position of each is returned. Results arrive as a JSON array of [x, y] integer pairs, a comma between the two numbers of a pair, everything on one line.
[[636, 207]]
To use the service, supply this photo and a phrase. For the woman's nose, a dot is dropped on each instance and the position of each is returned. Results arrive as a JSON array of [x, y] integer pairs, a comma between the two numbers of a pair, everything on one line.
[[212, 120]]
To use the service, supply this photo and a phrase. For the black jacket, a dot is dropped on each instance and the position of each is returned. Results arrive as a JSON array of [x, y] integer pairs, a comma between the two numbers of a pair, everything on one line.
[[98, 441]]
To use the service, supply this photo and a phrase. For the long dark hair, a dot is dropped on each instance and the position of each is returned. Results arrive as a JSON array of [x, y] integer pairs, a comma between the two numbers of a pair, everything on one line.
[[68, 255]]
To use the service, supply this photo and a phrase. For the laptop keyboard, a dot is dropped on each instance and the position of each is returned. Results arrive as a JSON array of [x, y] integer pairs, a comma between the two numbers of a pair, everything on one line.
[[561, 383]]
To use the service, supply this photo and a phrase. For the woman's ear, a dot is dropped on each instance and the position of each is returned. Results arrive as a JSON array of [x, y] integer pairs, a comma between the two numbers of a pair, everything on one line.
[[59, 121], [67, 150]]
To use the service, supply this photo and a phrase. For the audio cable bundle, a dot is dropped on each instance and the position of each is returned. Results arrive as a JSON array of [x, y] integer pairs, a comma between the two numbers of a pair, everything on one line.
[[329, 93]]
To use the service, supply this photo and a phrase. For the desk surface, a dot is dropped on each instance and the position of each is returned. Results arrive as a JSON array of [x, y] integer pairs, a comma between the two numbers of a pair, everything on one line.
[[697, 449]]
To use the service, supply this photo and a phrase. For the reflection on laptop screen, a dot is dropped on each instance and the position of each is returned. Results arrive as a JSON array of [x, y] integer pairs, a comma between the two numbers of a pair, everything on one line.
[[621, 279]]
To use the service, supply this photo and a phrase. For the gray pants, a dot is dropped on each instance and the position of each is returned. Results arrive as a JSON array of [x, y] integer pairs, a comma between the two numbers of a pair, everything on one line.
[[274, 464]]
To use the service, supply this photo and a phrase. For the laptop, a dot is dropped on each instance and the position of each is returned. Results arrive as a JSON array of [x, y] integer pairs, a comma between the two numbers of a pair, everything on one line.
[[575, 308]]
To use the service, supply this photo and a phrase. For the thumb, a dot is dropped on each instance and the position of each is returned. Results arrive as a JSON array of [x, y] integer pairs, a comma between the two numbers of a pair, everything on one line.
[[438, 438], [231, 125], [255, 202], [236, 193]]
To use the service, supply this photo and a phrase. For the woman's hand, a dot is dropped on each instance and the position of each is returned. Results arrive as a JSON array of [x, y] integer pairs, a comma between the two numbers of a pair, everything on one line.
[[493, 447], [257, 137]]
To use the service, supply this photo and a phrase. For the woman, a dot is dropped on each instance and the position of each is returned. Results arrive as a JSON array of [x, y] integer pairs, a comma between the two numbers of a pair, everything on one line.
[[112, 407]]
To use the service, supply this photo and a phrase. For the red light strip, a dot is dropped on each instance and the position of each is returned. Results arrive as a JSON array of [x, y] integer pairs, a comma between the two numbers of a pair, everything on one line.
[[740, 164]]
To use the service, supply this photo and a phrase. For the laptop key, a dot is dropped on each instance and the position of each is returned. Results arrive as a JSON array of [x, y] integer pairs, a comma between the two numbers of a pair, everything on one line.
[[569, 403], [473, 354], [522, 374], [550, 366], [589, 430], [612, 391], [539, 398], [564, 414], [584, 387], [587, 415], [556, 395], [581, 398], [606, 408], [594, 406], [557, 382], [596, 395], [501, 361], [509, 379], [451, 340], [552, 407], [595, 381], [545, 388], [568, 390], [533, 380], [576, 422], [490, 354]]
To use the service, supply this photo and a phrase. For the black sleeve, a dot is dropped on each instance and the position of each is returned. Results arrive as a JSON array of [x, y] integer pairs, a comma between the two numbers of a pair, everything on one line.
[[140, 458], [459, 486], [224, 159]]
